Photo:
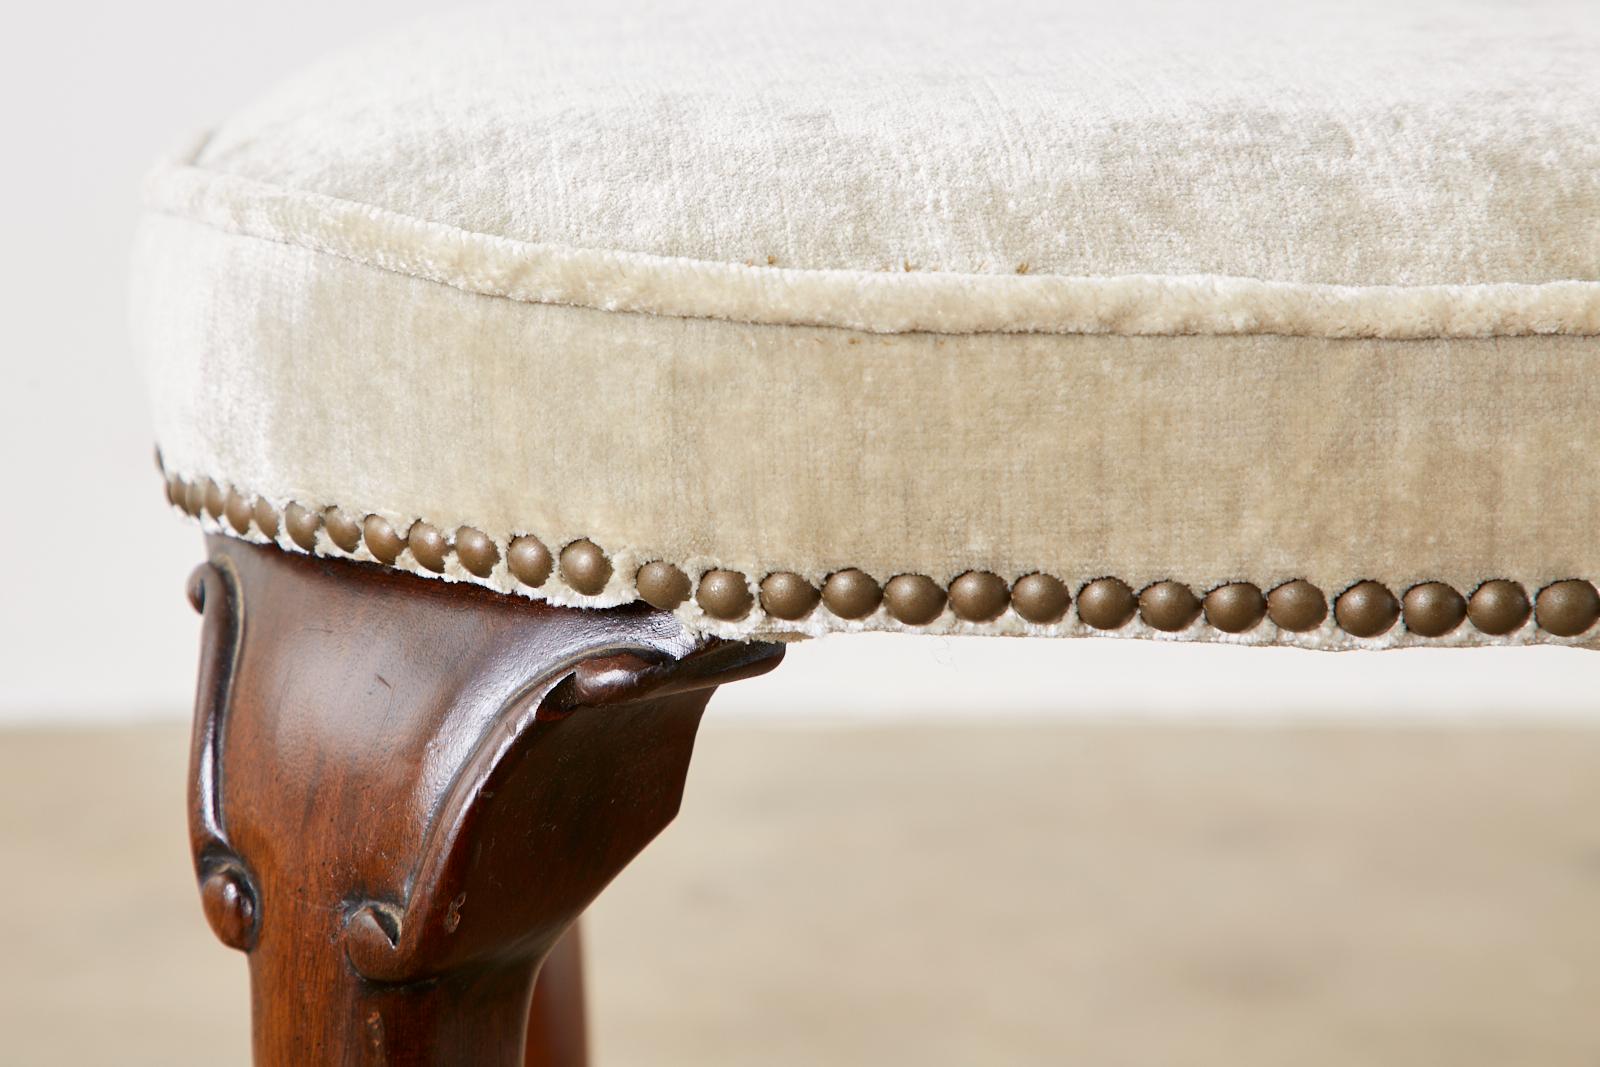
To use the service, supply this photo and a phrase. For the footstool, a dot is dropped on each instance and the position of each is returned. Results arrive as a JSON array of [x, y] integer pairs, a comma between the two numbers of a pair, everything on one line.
[[532, 373]]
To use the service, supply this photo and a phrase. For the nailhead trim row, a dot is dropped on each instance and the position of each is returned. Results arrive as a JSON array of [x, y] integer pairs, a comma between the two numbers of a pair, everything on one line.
[[1366, 609]]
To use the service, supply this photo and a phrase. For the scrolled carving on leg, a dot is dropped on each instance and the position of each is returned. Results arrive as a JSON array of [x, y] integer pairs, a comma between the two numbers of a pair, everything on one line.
[[523, 765], [227, 892], [405, 791]]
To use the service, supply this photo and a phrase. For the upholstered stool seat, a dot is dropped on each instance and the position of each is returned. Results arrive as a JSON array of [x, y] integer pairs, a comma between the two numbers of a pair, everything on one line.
[[649, 336], [1267, 324]]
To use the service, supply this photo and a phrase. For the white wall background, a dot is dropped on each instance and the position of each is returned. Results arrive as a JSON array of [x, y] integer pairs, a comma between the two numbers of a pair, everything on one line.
[[93, 624]]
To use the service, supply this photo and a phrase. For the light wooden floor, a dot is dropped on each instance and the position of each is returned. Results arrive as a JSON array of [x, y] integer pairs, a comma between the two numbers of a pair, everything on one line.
[[1064, 893]]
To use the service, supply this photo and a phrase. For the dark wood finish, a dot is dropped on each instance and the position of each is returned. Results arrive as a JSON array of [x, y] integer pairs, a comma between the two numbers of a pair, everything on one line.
[[403, 791], [558, 1027]]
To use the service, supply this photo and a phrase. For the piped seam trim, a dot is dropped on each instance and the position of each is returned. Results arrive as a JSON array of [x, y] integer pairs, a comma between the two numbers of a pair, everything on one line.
[[866, 301]]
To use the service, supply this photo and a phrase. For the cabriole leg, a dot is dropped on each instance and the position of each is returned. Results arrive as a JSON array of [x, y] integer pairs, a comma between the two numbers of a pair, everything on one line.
[[403, 792], [558, 1027]]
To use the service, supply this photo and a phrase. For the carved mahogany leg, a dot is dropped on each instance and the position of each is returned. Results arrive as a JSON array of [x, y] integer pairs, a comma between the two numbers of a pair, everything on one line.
[[403, 791], [558, 1030]]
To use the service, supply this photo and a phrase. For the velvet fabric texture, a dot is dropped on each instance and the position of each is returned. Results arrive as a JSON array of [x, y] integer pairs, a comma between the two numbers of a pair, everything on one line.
[[1211, 293]]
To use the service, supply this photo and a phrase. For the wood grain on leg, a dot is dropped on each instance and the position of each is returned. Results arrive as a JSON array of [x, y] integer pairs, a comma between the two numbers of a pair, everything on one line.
[[403, 792]]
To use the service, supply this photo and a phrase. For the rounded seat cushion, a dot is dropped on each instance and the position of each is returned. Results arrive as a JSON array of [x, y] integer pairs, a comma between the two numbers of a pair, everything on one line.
[[1236, 321]]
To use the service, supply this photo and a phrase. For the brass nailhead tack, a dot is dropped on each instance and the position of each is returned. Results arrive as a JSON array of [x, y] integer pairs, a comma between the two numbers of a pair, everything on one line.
[[1168, 606], [529, 560], [216, 501], [384, 544], [1366, 609], [266, 518], [1567, 608], [428, 546], [1040, 598], [302, 524], [978, 596], [1235, 608], [342, 529], [476, 551], [851, 594], [237, 508], [1297, 606], [1106, 604], [585, 567], [914, 599], [724, 595], [1433, 609], [1499, 606], [788, 596], [661, 585]]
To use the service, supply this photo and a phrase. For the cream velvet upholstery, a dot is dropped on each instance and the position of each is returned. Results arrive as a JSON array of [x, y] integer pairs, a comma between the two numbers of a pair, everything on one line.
[[1201, 292]]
